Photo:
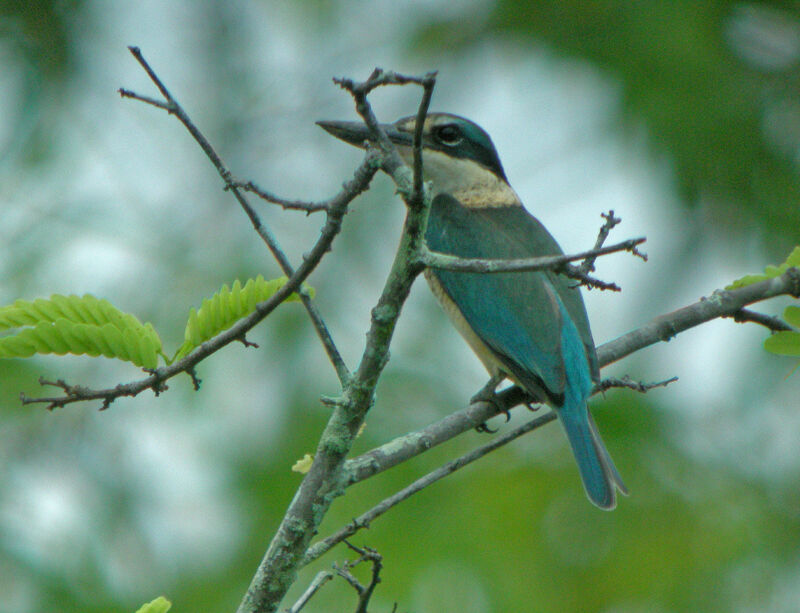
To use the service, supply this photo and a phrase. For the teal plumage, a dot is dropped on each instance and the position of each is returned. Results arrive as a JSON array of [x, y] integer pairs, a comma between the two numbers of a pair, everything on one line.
[[529, 326]]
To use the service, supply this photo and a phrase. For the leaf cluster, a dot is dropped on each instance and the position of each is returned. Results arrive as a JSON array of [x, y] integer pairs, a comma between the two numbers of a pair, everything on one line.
[[86, 325], [784, 342]]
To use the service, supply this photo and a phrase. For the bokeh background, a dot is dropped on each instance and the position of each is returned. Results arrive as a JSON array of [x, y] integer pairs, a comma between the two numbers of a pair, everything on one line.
[[682, 116]]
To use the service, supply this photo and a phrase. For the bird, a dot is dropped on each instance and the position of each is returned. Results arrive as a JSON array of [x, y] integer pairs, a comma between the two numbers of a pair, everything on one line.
[[530, 327]]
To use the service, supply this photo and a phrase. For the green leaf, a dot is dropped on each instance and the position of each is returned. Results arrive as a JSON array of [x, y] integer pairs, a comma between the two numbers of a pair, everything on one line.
[[770, 272], [792, 316], [784, 343], [226, 307], [159, 605], [79, 325]]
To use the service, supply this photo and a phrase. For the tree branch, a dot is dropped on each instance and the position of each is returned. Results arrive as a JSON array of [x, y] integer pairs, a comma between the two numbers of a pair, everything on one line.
[[721, 303], [320, 579], [587, 265], [775, 324], [323, 483], [443, 261], [364, 593], [361, 182], [296, 205]]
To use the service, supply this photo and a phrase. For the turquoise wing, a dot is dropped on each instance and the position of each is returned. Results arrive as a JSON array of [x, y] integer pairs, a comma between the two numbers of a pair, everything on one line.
[[517, 314]]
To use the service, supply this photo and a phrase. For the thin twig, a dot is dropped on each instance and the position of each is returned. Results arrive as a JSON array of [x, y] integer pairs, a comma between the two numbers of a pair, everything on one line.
[[392, 163], [776, 324], [320, 579], [296, 205], [367, 554], [428, 83], [628, 383], [443, 261], [587, 265]]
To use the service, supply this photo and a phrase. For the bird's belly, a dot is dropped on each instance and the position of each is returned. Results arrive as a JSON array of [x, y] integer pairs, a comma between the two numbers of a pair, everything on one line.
[[490, 361]]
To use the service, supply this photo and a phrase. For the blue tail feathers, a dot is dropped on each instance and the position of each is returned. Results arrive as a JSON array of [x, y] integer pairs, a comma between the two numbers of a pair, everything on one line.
[[598, 473]]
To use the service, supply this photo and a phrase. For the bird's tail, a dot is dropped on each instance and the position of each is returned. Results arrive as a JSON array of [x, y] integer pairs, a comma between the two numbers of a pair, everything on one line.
[[598, 473]]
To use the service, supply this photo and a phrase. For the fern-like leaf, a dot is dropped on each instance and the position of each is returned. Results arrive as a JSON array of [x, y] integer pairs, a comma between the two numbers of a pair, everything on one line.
[[225, 308], [80, 325]]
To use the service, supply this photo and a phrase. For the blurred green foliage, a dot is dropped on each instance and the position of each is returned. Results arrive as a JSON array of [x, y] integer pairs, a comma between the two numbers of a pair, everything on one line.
[[36, 38], [715, 85]]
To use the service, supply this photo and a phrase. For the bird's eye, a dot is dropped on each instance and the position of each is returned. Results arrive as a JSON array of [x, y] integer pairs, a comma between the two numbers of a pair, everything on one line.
[[449, 135]]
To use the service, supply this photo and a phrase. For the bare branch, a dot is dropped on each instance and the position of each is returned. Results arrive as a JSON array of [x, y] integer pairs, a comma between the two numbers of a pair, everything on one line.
[[443, 261], [126, 93], [722, 303], [392, 163], [361, 181], [628, 383], [587, 265], [296, 205], [367, 554], [776, 324], [428, 83], [321, 578]]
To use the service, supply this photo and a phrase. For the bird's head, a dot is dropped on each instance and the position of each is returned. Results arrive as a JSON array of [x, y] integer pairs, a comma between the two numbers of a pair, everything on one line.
[[457, 153]]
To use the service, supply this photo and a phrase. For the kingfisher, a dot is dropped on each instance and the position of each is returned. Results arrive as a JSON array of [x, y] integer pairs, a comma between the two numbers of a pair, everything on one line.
[[529, 327]]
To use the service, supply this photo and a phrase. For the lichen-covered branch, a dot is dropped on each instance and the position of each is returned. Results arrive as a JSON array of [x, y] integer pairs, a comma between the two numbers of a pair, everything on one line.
[[323, 483]]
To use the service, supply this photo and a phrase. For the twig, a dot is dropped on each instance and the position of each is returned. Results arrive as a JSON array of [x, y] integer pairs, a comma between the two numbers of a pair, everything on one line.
[[392, 163], [628, 383], [722, 303], [418, 193], [296, 205], [321, 578], [367, 554], [444, 261], [587, 265], [776, 324], [586, 280], [365, 173]]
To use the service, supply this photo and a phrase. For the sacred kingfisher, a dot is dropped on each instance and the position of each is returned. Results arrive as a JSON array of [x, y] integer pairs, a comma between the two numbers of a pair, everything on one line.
[[530, 327]]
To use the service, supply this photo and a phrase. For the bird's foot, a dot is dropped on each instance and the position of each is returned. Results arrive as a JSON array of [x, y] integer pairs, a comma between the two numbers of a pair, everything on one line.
[[487, 394]]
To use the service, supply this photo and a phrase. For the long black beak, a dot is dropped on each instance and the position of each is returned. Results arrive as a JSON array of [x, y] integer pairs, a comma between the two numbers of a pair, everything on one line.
[[355, 132]]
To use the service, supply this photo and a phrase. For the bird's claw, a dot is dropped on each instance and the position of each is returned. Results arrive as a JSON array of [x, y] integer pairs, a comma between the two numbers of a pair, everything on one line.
[[487, 394]]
